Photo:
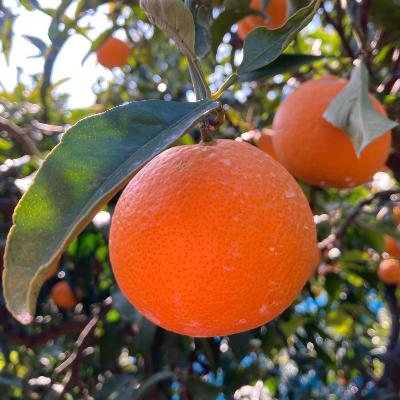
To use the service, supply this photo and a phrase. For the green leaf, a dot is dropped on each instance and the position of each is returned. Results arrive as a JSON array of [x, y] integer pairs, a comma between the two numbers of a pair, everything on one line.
[[284, 63], [30, 5], [352, 111], [202, 31], [262, 46], [38, 43], [153, 380], [340, 323], [94, 160], [6, 35]]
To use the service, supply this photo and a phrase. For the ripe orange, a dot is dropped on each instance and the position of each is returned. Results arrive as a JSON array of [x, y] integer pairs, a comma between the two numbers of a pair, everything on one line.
[[389, 271], [63, 295], [317, 152], [391, 246], [212, 239], [276, 10], [264, 142], [113, 53], [396, 214], [262, 139]]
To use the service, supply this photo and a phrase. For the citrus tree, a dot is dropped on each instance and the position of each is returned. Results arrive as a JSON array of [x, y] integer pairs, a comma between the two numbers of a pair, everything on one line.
[[253, 252]]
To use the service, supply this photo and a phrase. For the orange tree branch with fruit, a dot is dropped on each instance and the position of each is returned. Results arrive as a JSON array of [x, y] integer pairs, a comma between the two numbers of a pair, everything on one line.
[[215, 238]]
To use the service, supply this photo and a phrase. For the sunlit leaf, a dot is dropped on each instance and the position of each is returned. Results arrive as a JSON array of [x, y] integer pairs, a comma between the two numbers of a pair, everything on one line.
[[262, 46], [95, 158]]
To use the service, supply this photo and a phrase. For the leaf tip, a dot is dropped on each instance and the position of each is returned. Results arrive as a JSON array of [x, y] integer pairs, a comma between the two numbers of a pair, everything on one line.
[[24, 317]]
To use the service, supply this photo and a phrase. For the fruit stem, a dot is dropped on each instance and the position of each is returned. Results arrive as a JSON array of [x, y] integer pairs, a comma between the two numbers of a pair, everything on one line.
[[232, 79]]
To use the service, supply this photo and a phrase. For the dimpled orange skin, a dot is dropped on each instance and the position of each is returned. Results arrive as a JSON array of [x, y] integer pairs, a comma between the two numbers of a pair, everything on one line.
[[314, 150], [277, 13], [391, 246], [63, 295], [113, 53], [389, 271], [211, 240]]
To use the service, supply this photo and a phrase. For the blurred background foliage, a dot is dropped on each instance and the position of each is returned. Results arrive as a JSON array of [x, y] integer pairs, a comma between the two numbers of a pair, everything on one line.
[[339, 340]]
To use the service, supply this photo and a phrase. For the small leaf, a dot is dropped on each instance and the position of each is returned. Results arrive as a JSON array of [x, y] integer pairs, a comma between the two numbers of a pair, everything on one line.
[[284, 63], [6, 35], [30, 5], [38, 43], [175, 19], [94, 160], [262, 46], [352, 111]]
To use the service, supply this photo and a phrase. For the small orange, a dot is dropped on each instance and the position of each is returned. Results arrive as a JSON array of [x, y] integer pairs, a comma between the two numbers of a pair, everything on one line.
[[314, 150], [212, 239], [113, 53], [396, 214], [276, 10], [63, 295], [389, 271], [391, 246]]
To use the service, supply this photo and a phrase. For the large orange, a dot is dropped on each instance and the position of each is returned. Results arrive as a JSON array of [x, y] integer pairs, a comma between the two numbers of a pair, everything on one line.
[[276, 11], [314, 150], [389, 271], [212, 239], [113, 53]]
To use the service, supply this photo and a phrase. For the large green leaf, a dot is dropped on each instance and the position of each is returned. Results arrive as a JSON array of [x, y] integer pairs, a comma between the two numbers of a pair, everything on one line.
[[263, 46], [284, 63], [95, 158], [352, 111]]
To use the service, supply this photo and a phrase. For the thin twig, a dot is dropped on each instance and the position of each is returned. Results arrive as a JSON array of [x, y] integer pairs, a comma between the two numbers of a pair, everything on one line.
[[339, 29], [337, 234], [19, 136], [71, 365]]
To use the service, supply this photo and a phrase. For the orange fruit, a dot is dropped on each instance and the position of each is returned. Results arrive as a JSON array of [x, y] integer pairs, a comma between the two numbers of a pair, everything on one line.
[[276, 10], [262, 139], [63, 295], [389, 271], [396, 214], [113, 53], [314, 150], [212, 239], [391, 246], [264, 142]]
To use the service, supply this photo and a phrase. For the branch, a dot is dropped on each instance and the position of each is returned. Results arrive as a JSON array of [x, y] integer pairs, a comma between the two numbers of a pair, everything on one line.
[[32, 341], [72, 363], [390, 296], [19, 136], [337, 234], [339, 28]]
